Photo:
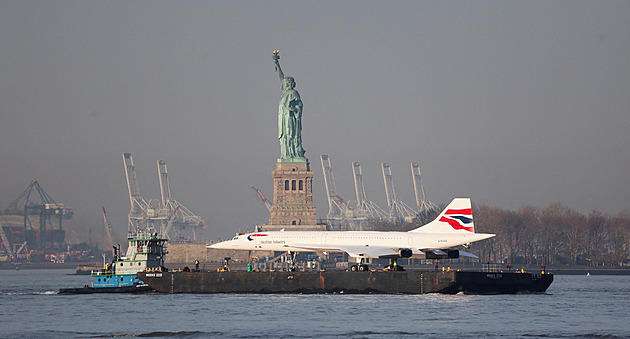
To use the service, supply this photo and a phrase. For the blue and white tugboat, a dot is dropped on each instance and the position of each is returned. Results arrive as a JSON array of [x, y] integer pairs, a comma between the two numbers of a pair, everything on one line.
[[145, 253]]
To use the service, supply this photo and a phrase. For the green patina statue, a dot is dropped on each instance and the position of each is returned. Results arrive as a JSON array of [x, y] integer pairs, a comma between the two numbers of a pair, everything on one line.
[[289, 118]]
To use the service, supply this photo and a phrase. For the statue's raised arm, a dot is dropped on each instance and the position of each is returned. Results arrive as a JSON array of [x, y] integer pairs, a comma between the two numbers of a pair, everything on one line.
[[276, 61]]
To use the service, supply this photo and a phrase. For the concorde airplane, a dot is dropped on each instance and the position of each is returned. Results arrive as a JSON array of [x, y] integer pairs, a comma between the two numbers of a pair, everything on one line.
[[436, 240]]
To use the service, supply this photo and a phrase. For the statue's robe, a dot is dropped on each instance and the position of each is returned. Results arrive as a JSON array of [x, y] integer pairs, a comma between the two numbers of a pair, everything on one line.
[[290, 125]]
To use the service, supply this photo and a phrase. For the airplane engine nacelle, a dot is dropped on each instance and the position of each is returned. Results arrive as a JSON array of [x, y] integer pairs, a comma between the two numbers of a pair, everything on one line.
[[448, 254], [405, 253], [454, 254]]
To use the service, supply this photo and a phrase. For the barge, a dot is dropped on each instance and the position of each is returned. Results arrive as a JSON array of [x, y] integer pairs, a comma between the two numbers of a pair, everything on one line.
[[376, 282]]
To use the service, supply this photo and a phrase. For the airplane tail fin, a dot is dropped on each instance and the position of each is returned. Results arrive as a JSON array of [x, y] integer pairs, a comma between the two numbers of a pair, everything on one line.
[[456, 217]]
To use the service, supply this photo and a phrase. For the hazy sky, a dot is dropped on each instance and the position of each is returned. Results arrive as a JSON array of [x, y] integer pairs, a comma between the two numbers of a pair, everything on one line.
[[509, 103]]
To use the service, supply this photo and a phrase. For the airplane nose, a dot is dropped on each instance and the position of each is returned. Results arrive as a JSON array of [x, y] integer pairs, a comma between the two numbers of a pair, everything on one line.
[[224, 245]]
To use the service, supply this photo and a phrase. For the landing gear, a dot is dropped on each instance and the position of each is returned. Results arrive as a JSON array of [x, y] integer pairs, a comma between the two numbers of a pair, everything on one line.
[[393, 266], [361, 267], [226, 264], [292, 266]]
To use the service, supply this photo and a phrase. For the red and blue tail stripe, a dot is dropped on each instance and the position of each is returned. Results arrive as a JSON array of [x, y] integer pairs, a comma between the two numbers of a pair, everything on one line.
[[459, 219]]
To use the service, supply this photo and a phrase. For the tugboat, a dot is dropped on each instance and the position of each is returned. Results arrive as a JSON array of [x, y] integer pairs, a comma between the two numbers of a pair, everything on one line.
[[145, 253]]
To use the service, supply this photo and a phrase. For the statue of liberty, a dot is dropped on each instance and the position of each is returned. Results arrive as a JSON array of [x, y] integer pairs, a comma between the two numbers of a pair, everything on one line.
[[289, 118]]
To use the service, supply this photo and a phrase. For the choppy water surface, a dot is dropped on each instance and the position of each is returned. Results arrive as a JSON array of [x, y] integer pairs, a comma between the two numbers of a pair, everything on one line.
[[574, 306]]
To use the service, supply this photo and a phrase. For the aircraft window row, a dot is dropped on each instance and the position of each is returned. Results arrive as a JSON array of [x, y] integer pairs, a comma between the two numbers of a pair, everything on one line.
[[347, 237], [388, 238], [335, 237]]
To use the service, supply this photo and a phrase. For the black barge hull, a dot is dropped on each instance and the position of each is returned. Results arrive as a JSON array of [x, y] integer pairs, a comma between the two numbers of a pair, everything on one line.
[[406, 282], [136, 289]]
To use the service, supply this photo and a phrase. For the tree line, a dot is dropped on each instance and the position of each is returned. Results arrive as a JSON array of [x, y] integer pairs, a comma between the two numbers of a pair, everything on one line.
[[552, 235]]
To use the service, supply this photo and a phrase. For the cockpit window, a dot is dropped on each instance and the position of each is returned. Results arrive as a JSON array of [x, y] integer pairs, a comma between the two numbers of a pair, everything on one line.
[[235, 238]]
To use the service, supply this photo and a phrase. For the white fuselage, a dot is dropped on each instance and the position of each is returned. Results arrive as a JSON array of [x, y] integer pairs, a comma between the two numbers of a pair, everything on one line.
[[351, 241]]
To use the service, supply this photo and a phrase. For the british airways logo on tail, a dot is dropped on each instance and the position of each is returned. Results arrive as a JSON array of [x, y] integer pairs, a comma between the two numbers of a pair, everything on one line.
[[459, 219], [249, 237]]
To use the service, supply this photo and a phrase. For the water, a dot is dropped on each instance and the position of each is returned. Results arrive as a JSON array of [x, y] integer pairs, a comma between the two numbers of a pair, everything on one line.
[[574, 306]]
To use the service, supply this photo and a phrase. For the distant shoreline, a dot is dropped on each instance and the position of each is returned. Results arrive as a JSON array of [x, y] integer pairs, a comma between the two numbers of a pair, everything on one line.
[[589, 270], [555, 269]]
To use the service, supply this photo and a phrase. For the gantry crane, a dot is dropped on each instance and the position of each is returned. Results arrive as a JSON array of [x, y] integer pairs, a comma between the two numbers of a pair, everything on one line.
[[49, 213], [8, 246], [337, 209], [143, 216], [397, 209], [159, 216], [424, 205], [181, 220], [364, 204], [108, 227], [350, 214]]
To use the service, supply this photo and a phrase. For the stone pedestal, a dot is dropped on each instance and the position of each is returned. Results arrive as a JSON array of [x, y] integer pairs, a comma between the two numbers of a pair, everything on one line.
[[293, 207]]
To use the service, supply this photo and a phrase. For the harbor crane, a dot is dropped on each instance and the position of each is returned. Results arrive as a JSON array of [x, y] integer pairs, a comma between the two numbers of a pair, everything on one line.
[[8, 246], [181, 220], [352, 214], [355, 214], [424, 205], [143, 215], [159, 216], [108, 227], [337, 209], [398, 210], [49, 213], [266, 203], [364, 204]]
